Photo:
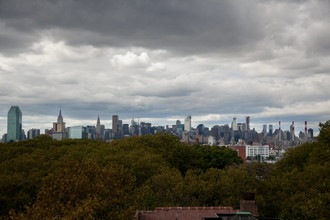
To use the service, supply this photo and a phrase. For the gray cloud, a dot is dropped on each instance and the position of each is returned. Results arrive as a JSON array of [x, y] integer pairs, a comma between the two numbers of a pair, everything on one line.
[[230, 25], [165, 59]]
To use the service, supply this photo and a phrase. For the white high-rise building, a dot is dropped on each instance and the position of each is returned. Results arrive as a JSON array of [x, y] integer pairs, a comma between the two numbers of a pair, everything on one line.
[[234, 124], [187, 123]]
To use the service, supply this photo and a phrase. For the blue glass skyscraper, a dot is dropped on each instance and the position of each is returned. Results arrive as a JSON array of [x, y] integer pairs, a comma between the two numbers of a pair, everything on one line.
[[14, 124]]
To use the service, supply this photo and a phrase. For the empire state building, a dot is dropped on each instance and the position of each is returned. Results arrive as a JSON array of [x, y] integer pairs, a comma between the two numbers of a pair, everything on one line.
[[59, 128]]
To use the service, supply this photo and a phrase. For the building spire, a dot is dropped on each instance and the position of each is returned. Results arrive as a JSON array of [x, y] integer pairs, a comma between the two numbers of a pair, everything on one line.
[[98, 123], [60, 118]]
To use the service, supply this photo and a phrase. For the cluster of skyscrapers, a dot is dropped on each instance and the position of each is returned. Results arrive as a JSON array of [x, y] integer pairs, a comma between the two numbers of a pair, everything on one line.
[[235, 134]]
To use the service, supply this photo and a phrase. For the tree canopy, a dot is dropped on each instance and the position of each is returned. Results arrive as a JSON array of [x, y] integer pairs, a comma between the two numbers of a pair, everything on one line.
[[84, 179]]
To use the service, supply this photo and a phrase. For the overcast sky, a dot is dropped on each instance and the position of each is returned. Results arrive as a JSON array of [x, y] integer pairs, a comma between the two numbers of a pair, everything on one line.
[[160, 61]]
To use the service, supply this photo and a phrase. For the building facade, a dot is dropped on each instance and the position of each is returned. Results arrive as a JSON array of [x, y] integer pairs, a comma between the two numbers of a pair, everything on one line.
[[115, 124], [253, 151], [187, 123], [78, 132], [59, 128], [14, 124], [33, 133]]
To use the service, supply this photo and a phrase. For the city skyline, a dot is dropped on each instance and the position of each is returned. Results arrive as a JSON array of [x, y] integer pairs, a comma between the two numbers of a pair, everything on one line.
[[161, 61], [299, 126]]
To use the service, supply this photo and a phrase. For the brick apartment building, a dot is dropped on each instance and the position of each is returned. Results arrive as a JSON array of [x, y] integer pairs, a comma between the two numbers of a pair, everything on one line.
[[248, 209]]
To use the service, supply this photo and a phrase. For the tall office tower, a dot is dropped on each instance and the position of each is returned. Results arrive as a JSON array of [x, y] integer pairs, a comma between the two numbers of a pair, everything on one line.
[[98, 128], [115, 124], [178, 122], [120, 128], [270, 128], [14, 124], [310, 132], [292, 131], [248, 123], [187, 123], [59, 128], [264, 130], [279, 132], [305, 130], [234, 124]]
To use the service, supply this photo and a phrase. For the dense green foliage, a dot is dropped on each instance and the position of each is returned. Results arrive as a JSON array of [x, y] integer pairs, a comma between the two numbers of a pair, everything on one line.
[[43, 178], [84, 179], [299, 186]]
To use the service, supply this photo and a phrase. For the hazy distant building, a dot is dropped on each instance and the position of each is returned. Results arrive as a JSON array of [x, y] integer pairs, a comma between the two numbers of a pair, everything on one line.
[[91, 132], [4, 138], [14, 124], [200, 129], [98, 128], [134, 128], [115, 124], [125, 129], [180, 128], [264, 130], [234, 125], [78, 132], [211, 141], [270, 129], [59, 128], [244, 127], [310, 133], [292, 131], [120, 128], [248, 123], [33, 133], [187, 123], [240, 126]]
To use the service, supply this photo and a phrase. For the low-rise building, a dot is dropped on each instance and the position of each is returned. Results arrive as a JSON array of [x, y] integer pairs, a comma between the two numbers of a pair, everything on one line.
[[256, 151]]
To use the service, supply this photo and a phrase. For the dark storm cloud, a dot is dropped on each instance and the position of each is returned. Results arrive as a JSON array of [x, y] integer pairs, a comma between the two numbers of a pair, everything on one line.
[[190, 26], [213, 59]]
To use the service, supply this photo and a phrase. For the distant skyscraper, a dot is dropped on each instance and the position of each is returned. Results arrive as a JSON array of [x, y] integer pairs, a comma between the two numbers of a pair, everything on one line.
[[305, 131], [248, 123], [59, 128], [292, 134], [270, 128], [234, 124], [187, 123], [120, 128], [115, 124], [310, 133], [14, 124], [98, 128], [264, 130], [279, 132]]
